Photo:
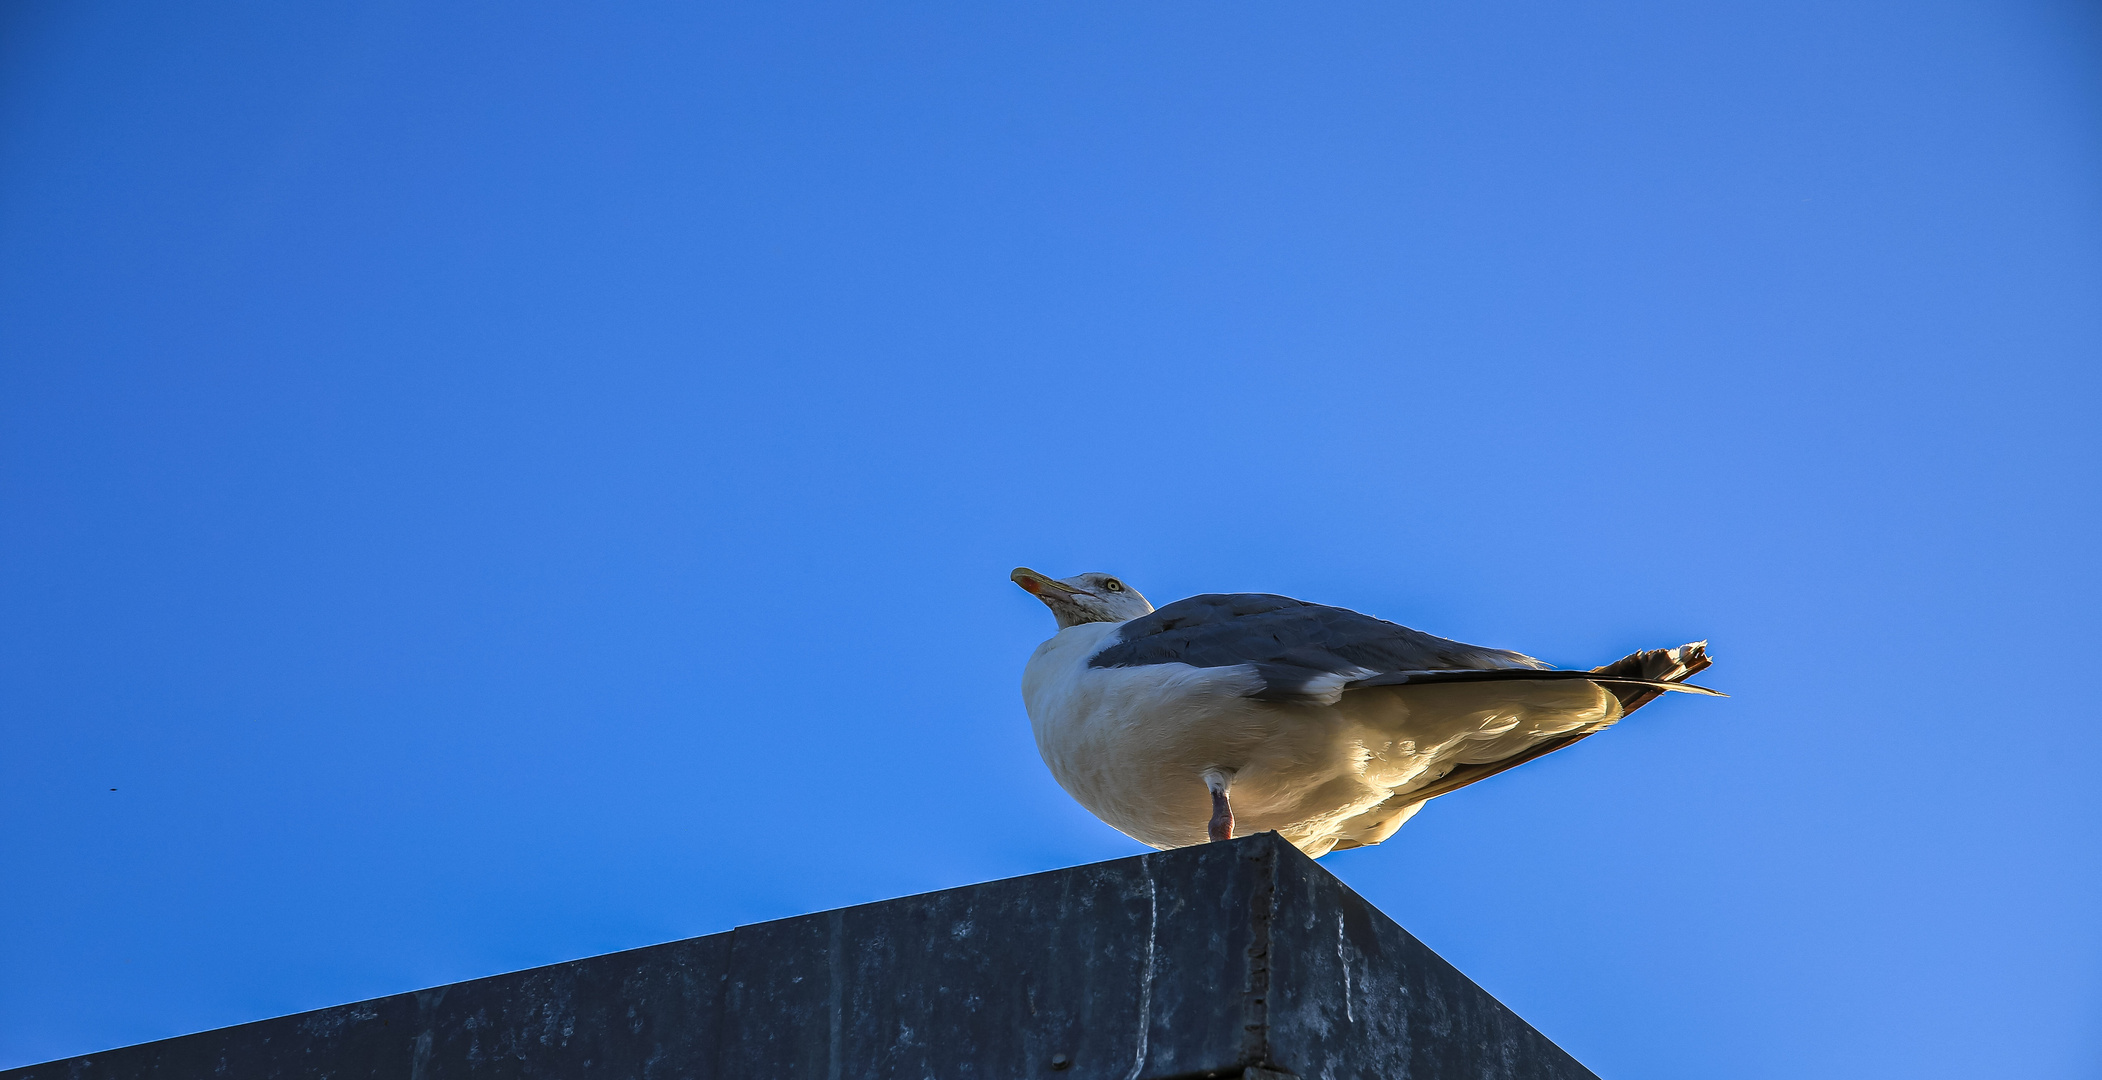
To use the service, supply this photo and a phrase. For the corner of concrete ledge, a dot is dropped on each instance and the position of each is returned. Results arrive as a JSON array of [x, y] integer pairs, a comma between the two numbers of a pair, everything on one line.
[[1235, 959]]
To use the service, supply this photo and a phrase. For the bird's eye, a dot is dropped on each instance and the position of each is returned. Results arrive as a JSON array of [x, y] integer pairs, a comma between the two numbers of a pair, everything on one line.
[[1113, 585]]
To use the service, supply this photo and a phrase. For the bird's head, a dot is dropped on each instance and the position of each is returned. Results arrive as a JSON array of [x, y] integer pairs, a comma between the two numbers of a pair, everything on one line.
[[1083, 598]]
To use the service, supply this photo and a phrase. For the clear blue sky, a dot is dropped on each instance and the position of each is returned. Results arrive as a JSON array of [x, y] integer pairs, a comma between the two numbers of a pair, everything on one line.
[[492, 484]]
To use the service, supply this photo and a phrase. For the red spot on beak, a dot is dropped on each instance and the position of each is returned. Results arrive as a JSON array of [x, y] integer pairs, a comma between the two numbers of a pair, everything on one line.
[[1028, 585]]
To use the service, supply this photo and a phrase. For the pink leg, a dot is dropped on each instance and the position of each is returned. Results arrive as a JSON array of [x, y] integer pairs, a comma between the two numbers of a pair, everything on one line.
[[1222, 817], [1219, 780]]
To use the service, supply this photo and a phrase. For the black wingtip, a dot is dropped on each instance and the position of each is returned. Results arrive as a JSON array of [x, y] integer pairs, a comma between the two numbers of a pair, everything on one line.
[[1480, 675]]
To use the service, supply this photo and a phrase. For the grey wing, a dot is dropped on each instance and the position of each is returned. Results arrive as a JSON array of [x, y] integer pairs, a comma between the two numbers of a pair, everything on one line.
[[1298, 649]]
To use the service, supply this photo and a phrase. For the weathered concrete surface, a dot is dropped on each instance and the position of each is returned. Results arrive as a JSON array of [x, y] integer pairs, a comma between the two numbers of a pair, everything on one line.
[[1213, 961]]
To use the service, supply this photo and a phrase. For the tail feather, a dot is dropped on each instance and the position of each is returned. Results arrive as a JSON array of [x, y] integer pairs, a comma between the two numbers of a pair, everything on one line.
[[1659, 665]]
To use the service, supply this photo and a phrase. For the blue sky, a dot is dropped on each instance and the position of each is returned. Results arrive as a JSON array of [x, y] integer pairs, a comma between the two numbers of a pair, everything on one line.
[[502, 483]]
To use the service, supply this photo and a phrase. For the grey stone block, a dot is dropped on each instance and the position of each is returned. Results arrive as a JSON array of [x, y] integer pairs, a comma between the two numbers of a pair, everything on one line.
[[1240, 959]]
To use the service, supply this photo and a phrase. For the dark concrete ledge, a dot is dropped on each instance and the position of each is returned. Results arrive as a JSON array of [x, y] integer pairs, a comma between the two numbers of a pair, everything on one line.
[[1234, 959]]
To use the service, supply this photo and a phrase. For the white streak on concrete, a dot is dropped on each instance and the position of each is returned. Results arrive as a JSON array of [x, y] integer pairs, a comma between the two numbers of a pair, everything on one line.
[[1138, 1062], [1345, 962]]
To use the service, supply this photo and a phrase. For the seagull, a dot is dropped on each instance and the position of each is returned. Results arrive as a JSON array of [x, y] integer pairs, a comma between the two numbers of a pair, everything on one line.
[[1239, 713]]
